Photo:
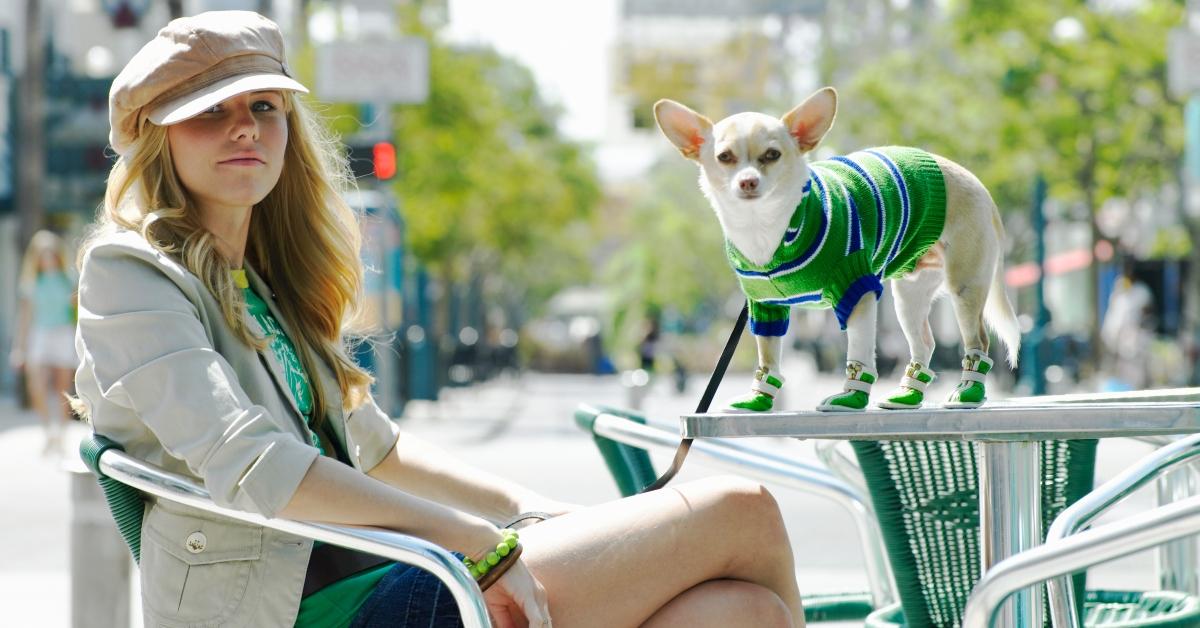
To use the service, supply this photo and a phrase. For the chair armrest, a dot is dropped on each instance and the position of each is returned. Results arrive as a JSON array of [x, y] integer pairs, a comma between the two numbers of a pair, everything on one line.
[[409, 550], [1060, 591], [1065, 556]]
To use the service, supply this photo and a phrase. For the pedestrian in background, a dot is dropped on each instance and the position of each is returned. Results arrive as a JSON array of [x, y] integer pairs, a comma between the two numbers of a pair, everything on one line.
[[213, 301], [44, 340]]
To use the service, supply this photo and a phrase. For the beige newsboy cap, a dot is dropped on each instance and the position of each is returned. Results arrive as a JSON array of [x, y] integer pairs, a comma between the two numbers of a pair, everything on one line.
[[192, 64]]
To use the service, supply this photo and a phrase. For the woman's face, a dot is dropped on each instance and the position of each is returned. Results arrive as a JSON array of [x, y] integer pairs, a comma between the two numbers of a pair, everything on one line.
[[48, 261], [230, 156]]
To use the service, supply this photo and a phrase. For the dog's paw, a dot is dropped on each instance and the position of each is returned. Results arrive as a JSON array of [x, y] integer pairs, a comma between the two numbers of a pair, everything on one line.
[[903, 398], [849, 401], [754, 402]]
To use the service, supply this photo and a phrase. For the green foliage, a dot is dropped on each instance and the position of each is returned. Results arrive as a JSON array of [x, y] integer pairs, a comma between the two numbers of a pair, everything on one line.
[[999, 91], [485, 180], [671, 253]]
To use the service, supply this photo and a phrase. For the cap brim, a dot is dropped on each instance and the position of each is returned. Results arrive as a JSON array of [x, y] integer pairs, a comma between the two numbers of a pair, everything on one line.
[[202, 99]]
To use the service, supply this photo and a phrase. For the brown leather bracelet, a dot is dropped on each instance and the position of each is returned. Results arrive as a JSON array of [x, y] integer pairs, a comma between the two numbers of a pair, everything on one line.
[[499, 568]]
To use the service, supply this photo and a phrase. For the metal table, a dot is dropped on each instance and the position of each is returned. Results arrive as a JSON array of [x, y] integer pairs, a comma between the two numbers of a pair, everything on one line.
[[1006, 434]]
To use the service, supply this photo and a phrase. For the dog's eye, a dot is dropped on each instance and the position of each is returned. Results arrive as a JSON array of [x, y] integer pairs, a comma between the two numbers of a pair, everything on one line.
[[726, 157], [771, 155]]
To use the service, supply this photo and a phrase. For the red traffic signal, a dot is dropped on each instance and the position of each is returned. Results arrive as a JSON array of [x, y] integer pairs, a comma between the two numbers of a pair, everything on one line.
[[383, 158]]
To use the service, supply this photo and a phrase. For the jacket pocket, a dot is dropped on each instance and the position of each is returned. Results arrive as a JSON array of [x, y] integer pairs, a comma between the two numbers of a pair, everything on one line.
[[196, 571]]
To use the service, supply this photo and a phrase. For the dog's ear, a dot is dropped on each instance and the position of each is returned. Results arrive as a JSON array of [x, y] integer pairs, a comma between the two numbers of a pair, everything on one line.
[[811, 119], [686, 129]]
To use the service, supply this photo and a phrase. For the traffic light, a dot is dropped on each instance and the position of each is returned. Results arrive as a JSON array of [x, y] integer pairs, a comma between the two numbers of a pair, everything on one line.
[[383, 159]]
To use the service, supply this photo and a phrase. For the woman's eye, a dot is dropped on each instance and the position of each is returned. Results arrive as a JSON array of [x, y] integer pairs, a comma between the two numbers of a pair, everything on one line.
[[264, 105], [771, 155], [726, 157]]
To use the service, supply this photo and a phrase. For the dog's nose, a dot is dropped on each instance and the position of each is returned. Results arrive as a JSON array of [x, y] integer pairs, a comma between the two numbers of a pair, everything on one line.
[[749, 184]]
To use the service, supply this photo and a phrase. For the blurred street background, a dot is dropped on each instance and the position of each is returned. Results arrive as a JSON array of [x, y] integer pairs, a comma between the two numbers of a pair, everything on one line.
[[534, 242]]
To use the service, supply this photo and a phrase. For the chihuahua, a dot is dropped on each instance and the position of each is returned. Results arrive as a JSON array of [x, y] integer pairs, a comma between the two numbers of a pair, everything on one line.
[[827, 234]]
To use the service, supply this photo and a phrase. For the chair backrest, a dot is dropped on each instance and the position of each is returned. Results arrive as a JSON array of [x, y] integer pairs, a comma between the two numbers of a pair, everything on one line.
[[926, 497], [630, 466], [125, 502]]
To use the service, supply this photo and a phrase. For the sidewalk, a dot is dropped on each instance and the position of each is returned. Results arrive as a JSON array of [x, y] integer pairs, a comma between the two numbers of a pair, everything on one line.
[[35, 586]]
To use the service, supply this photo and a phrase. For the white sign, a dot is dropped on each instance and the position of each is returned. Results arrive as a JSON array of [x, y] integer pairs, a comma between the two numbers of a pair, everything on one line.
[[1183, 61], [391, 71]]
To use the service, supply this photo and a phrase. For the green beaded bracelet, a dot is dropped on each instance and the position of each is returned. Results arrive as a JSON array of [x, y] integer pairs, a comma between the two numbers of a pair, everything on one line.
[[506, 548]]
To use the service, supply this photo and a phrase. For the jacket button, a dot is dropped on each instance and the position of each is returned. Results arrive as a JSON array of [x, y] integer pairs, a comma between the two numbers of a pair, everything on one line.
[[196, 542]]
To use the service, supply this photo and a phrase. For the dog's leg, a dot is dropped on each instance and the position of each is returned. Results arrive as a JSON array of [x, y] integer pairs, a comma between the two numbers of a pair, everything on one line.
[[914, 296], [968, 309], [767, 379], [860, 359], [972, 249]]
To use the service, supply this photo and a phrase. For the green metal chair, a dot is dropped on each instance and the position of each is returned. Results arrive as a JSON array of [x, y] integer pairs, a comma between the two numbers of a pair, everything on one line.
[[123, 479], [926, 498]]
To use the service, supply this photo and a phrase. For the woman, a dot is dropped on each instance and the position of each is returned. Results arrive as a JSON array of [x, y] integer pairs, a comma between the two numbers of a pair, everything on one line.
[[45, 331], [212, 303]]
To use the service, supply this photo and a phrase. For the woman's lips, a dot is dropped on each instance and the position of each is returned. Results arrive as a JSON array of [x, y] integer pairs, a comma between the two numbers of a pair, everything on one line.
[[242, 162]]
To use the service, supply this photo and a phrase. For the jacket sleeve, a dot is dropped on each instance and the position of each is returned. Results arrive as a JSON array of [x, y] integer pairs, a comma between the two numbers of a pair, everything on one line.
[[371, 434], [151, 354]]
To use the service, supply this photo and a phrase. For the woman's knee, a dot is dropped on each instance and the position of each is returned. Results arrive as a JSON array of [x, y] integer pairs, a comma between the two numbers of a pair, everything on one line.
[[744, 499], [758, 604]]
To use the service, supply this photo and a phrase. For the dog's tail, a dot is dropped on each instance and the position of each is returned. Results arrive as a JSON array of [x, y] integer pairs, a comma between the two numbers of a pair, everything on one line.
[[999, 312]]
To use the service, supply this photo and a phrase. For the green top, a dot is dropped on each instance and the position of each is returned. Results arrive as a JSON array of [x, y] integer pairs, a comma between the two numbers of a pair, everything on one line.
[[865, 217], [50, 300], [336, 605]]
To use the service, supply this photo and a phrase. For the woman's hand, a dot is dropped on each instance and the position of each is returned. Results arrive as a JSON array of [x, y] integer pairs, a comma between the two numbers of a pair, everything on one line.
[[518, 600]]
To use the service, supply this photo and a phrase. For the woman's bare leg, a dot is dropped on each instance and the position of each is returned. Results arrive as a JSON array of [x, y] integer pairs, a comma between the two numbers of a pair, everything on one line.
[[62, 410], [724, 604], [36, 380], [620, 563]]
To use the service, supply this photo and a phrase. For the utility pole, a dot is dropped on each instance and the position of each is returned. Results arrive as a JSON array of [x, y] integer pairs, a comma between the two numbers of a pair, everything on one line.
[[31, 133]]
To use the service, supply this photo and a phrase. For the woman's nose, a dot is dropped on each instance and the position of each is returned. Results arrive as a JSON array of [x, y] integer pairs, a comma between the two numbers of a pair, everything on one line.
[[245, 124]]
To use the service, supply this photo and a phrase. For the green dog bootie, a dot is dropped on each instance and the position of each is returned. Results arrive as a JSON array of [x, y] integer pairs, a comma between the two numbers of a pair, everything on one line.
[[911, 393], [762, 393], [971, 392], [857, 392]]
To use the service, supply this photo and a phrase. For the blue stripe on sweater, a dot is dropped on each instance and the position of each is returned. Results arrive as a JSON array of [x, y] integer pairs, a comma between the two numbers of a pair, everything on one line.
[[860, 288], [891, 165], [769, 328], [880, 212], [854, 231], [790, 235], [807, 297]]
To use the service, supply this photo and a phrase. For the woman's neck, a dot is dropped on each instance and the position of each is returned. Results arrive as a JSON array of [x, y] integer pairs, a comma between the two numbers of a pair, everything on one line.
[[231, 229]]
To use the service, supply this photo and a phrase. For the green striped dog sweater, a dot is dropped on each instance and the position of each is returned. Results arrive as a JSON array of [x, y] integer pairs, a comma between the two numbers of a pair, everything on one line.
[[863, 218]]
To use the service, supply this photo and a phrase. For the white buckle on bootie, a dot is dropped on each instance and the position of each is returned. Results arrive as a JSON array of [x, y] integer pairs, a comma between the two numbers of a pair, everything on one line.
[[761, 385], [970, 364], [910, 377], [854, 377]]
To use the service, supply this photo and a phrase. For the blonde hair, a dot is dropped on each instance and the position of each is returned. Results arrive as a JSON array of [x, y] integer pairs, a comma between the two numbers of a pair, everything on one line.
[[304, 241], [40, 243]]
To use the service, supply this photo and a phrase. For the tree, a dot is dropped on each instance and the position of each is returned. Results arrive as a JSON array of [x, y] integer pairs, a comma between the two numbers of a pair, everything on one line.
[[1013, 89]]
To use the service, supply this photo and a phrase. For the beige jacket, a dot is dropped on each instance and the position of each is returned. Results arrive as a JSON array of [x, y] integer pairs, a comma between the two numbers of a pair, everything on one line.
[[163, 375]]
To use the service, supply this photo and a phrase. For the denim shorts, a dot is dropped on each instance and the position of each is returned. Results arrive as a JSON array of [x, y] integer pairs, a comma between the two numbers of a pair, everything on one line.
[[409, 597]]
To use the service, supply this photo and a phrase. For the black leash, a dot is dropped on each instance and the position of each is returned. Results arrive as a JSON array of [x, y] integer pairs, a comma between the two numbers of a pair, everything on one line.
[[713, 382]]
